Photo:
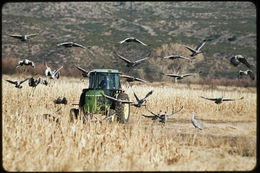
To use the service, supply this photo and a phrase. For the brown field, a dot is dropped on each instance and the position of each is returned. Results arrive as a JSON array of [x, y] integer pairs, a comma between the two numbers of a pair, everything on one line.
[[31, 143]]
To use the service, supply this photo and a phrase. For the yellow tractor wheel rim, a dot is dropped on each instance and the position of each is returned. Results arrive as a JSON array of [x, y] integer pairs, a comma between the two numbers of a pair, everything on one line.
[[126, 111]]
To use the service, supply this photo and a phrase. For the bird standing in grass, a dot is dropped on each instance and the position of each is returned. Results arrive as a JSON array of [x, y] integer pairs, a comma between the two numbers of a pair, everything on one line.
[[195, 122]]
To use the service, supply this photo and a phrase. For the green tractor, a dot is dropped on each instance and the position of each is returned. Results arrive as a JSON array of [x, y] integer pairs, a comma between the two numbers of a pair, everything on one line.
[[92, 100]]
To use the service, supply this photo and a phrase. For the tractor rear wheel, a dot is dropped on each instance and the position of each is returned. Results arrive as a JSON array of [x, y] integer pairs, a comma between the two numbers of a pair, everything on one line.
[[123, 110]]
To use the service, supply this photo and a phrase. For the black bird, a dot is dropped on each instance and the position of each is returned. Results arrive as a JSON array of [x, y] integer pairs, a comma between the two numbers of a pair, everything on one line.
[[197, 50], [17, 83], [237, 59], [220, 99], [247, 72], [23, 37], [179, 76], [60, 100], [85, 73], [141, 101], [71, 44], [33, 82], [131, 63], [131, 78], [25, 62], [132, 39]]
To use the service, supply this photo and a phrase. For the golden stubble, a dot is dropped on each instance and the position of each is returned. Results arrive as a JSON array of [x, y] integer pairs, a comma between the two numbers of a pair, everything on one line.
[[32, 143]]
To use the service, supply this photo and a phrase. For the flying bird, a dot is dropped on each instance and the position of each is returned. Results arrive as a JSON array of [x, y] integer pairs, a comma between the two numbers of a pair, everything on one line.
[[179, 76], [247, 72], [220, 99], [17, 83], [34, 82], [71, 44], [237, 59], [131, 78], [141, 101], [60, 100], [23, 37], [116, 100], [132, 39], [25, 62], [176, 57], [131, 63], [197, 50], [52, 74], [154, 116], [85, 73], [164, 117], [195, 122]]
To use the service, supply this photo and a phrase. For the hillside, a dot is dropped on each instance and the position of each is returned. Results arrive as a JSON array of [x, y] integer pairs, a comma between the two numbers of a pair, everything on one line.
[[166, 26]]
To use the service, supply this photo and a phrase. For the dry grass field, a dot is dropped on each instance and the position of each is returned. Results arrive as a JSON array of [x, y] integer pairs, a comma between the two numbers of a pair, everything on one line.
[[31, 143]]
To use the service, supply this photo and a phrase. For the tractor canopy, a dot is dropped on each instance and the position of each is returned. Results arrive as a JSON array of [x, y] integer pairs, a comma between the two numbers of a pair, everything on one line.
[[104, 79]]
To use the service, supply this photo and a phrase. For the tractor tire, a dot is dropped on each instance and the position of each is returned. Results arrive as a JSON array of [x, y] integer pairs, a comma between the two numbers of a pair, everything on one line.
[[122, 110], [74, 113], [111, 112]]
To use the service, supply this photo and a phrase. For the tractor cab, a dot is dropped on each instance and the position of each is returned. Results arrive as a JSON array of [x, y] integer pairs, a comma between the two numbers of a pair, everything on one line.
[[104, 79]]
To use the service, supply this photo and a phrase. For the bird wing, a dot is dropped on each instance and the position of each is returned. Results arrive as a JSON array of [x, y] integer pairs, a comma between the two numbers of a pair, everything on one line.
[[147, 95], [56, 71], [124, 59], [140, 60], [31, 35], [12, 82], [126, 76], [117, 100], [244, 61], [200, 46], [227, 99], [213, 99], [81, 69], [137, 99], [24, 80], [251, 74], [153, 113], [64, 43], [172, 75], [192, 50], [234, 61], [175, 112], [16, 36], [138, 79], [79, 45], [185, 75], [140, 42], [123, 40], [148, 116]]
